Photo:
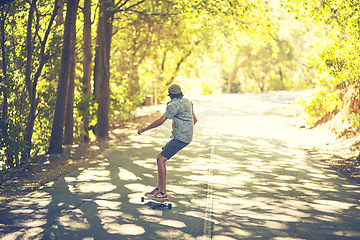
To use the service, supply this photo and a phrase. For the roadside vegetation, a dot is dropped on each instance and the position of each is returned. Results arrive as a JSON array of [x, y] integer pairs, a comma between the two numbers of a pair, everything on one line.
[[73, 70]]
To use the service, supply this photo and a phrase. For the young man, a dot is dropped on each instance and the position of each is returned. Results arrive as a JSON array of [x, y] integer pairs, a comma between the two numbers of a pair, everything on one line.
[[180, 110]]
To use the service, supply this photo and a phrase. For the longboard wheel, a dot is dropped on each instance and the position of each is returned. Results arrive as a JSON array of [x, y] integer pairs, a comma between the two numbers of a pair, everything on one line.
[[142, 199], [169, 205], [153, 206]]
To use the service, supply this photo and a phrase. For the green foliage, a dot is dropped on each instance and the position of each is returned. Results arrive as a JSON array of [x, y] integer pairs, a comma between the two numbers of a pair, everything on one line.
[[85, 105], [11, 144], [335, 56], [121, 106], [15, 55], [320, 103], [207, 89], [44, 118], [268, 68]]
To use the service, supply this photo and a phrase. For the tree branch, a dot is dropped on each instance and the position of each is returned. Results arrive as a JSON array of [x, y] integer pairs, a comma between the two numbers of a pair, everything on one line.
[[119, 9]]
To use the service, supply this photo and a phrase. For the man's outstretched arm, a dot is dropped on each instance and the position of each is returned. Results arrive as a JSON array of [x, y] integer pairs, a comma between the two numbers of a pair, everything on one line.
[[155, 124]]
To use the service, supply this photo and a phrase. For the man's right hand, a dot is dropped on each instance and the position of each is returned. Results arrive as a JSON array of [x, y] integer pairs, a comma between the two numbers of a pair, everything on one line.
[[141, 130]]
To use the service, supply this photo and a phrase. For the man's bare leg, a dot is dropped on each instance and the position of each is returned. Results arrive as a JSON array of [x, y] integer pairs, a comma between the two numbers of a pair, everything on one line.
[[161, 164]]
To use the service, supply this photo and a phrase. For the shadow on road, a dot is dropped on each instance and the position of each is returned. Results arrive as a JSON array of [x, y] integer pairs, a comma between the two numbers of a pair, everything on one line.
[[224, 185]]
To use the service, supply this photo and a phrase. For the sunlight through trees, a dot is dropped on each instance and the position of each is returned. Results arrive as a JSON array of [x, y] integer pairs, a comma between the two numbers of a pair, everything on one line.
[[120, 51]]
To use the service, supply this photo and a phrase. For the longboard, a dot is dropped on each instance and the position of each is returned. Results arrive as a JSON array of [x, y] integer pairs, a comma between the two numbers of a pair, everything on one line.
[[156, 203]]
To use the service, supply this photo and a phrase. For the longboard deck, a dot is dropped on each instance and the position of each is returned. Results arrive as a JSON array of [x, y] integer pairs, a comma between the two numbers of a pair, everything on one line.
[[156, 203]]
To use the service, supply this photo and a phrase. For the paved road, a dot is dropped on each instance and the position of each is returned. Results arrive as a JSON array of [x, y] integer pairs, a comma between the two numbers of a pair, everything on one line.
[[241, 178]]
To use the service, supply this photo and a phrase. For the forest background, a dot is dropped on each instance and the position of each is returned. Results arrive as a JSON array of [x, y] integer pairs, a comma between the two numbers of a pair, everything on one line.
[[71, 70]]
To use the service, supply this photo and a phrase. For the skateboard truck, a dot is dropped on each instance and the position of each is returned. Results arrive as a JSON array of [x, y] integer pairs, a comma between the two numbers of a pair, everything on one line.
[[157, 203]]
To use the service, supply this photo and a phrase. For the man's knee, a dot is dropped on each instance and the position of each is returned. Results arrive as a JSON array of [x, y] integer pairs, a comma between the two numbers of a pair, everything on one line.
[[161, 158]]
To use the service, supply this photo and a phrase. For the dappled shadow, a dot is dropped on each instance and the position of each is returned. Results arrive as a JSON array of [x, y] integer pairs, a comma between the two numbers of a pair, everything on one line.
[[224, 185], [101, 200], [269, 191]]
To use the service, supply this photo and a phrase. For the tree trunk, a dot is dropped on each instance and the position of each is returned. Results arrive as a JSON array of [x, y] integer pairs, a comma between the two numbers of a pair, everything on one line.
[[56, 139], [3, 78], [31, 85], [4, 87], [29, 49], [282, 87], [232, 77], [69, 114], [102, 68], [99, 51], [87, 60], [232, 74]]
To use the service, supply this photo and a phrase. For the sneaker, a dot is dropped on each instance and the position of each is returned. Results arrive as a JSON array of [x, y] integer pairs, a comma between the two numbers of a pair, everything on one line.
[[159, 196], [148, 194]]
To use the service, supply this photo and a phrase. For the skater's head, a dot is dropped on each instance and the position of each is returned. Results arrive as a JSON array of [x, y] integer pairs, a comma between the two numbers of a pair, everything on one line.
[[175, 91]]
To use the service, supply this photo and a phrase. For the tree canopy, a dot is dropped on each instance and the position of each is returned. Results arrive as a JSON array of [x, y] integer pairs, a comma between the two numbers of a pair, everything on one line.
[[334, 56]]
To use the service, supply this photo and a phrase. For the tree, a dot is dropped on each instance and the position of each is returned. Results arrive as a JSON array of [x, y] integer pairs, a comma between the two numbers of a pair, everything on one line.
[[87, 62], [31, 84], [335, 58], [55, 146], [242, 57], [4, 88], [3, 79], [107, 10], [102, 67], [69, 110]]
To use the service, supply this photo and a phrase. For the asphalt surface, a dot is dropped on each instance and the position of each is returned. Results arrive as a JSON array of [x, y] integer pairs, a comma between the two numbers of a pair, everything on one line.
[[245, 176]]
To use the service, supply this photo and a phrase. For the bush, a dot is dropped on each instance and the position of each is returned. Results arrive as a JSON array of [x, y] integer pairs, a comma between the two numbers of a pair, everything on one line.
[[320, 103], [11, 145]]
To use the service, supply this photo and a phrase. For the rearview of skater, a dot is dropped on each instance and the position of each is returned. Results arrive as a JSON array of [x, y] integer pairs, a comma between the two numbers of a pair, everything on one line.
[[180, 110]]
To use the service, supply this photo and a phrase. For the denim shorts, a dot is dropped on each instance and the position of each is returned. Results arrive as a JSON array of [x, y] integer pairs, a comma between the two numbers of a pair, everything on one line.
[[172, 147]]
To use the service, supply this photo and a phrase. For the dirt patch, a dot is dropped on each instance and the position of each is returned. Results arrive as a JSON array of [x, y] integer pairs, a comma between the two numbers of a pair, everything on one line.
[[349, 167], [43, 169], [343, 156]]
